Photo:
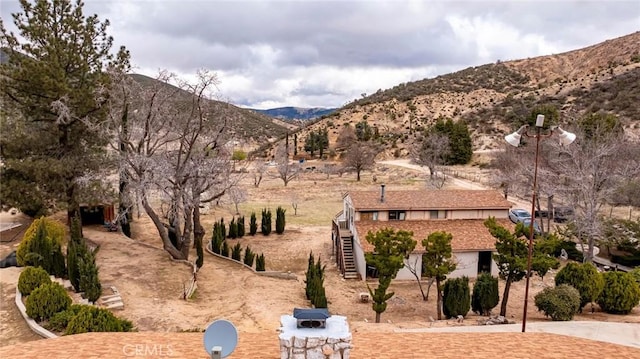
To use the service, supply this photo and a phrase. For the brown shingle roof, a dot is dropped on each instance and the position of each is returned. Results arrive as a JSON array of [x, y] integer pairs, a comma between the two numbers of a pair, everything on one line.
[[429, 200], [468, 234], [366, 345]]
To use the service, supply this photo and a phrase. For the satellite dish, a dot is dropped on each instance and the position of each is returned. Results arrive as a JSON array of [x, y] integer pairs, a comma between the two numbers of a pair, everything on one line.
[[222, 336]]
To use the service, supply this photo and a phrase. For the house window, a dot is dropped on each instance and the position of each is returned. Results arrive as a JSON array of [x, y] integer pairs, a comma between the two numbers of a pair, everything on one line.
[[368, 216], [396, 215], [433, 214]]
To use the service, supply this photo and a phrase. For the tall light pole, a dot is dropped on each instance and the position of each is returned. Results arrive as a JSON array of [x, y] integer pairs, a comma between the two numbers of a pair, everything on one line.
[[513, 139]]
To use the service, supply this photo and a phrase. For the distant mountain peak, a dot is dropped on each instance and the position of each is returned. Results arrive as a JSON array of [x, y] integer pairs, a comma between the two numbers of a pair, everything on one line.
[[291, 113]]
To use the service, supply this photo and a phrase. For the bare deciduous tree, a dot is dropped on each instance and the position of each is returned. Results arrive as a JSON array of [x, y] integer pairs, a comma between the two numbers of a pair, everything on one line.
[[431, 152], [175, 150], [259, 168], [346, 137], [287, 170], [237, 195], [359, 157]]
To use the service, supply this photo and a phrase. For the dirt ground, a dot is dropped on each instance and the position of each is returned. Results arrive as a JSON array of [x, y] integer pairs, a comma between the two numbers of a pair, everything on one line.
[[151, 285]]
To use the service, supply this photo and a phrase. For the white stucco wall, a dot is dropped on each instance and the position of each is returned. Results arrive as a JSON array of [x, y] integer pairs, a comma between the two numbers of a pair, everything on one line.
[[468, 265], [358, 255], [415, 261], [464, 214]]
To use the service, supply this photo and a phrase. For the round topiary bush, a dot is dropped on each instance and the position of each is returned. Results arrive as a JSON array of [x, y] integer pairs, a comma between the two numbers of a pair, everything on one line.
[[47, 300], [55, 232], [560, 303], [585, 278], [31, 278], [620, 294], [94, 319]]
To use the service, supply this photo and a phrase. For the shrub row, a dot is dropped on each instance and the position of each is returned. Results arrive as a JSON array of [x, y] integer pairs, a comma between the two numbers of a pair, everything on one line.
[[314, 290], [79, 318], [221, 247]]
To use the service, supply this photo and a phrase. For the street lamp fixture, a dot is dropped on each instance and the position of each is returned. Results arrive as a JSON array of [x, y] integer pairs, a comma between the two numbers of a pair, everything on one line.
[[566, 138]]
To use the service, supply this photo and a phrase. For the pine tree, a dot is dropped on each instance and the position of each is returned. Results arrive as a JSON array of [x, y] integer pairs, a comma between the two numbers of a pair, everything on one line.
[[53, 86], [253, 224], [280, 220]]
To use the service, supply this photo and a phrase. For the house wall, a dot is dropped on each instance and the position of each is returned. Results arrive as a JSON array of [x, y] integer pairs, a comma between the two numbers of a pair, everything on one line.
[[415, 261], [468, 265], [358, 255]]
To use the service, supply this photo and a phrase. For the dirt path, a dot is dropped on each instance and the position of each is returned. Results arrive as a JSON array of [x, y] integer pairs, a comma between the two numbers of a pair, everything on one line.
[[13, 328]]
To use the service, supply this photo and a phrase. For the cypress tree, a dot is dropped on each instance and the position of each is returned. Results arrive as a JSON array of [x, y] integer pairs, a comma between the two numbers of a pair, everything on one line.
[[456, 297], [260, 263], [58, 266], [249, 256], [241, 229], [76, 249], [225, 249], [280, 220], [485, 294], [223, 228], [266, 222], [233, 229], [236, 252], [253, 224], [89, 281]]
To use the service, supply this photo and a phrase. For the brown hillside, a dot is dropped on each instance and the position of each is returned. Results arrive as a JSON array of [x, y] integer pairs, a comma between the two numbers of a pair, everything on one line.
[[492, 98]]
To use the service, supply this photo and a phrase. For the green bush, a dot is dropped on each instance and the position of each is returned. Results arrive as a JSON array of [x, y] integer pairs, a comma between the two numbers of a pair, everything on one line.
[[253, 224], [485, 294], [93, 319], [583, 277], [55, 231], [560, 303], [456, 297], [31, 278], [260, 263], [635, 273], [58, 262], [249, 256], [280, 220], [620, 294], [240, 225], [59, 321], [236, 252], [266, 222], [47, 300]]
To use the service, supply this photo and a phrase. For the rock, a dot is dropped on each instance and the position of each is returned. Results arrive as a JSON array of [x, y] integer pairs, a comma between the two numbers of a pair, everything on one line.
[[327, 350]]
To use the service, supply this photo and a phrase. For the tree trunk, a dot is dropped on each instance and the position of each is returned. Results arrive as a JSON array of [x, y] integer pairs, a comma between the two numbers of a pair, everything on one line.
[[439, 302], [164, 236], [73, 207], [505, 297], [431, 280], [358, 175], [377, 317], [198, 230]]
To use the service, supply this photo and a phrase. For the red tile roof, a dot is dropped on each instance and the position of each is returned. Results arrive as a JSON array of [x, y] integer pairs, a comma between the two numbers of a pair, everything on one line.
[[429, 200], [468, 234], [366, 345]]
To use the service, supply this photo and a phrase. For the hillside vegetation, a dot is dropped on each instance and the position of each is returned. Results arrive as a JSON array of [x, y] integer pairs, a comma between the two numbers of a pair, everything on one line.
[[494, 98]]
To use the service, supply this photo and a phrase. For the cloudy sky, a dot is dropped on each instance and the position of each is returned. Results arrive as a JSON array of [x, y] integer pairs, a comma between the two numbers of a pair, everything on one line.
[[325, 53]]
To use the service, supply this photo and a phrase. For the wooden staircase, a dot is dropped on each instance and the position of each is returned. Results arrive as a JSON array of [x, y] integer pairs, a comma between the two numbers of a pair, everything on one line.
[[350, 271]]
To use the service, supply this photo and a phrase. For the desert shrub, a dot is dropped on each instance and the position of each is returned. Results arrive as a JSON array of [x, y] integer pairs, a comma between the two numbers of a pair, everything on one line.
[[583, 277], [265, 228], [260, 263], [236, 252], [280, 220], [47, 300], [225, 249], [54, 232], [31, 278], [249, 257], [456, 297], [59, 321], [620, 294], [560, 303], [253, 224], [485, 294], [93, 319]]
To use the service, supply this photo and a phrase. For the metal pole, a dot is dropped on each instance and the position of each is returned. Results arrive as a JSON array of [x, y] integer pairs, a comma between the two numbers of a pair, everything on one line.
[[531, 224]]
